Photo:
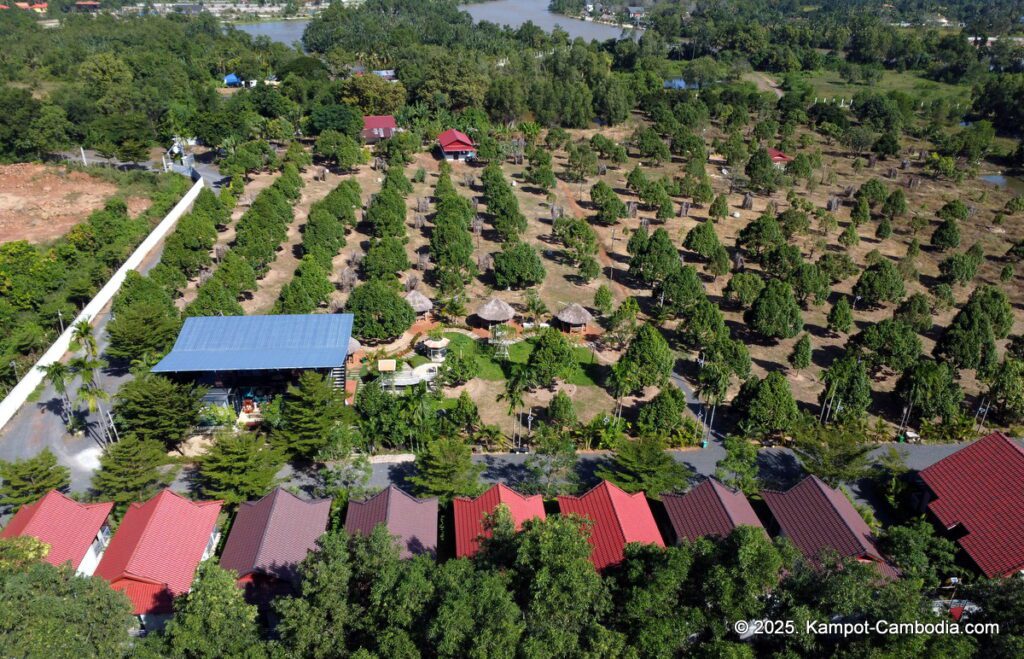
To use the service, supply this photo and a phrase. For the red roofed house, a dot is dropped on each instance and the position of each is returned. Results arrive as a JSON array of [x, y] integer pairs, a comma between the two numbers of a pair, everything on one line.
[[269, 539], [980, 489], [87, 6], [710, 509], [818, 518], [378, 127], [76, 532], [779, 159], [412, 521], [156, 550], [456, 145], [470, 513], [618, 519]]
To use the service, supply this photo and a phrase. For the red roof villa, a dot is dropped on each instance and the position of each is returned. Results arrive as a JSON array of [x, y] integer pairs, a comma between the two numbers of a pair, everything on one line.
[[413, 521], [980, 490], [470, 513], [269, 539], [618, 519], [378, 127], [154, 554], [76, 532], [818, 518], [456, 145], [779, 159], [710, 509]]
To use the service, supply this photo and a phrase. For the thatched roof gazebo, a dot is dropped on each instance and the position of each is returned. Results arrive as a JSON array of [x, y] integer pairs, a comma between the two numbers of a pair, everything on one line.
[[496, 311], [437, 348], [575, 316], [419, 302]]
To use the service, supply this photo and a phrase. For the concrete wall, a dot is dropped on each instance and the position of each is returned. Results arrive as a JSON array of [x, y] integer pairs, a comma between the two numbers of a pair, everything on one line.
[[28, 383]]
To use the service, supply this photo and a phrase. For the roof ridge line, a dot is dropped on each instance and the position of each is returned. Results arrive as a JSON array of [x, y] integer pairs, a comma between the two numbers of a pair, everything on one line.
[[615, 510], [270, 516], [715, 484], [145, 527]]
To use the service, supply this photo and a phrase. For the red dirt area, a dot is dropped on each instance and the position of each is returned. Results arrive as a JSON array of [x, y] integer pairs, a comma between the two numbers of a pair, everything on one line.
[[39, 203]]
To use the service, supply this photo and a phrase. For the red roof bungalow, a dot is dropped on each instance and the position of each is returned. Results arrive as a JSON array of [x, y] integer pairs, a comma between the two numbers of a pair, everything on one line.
[[412, 521], [87, 6], [156, 550], [818, 518], [378, 127], [269, 539], [779, 159], [77, 533], [710, 509], [470, 514], [980, 489], [618, 519], [456, 145]]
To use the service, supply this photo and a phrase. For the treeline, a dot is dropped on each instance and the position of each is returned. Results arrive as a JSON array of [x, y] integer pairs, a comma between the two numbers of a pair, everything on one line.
[[42, 287], [323, 236], [451, 241]]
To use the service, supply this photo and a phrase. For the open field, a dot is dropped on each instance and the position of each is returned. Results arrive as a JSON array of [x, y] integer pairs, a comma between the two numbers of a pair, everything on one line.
[[829, 84], [40, 203]]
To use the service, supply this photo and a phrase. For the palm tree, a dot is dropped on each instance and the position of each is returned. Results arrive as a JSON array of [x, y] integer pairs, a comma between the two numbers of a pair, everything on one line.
[[59, 375], [513, 395], [84, 335], [93, 396]]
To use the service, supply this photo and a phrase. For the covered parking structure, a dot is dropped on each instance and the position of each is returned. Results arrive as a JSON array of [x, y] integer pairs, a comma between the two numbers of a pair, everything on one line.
[[252, 358]]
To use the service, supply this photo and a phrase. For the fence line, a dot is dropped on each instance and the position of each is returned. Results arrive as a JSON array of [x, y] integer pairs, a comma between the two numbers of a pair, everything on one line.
[[35, 376]]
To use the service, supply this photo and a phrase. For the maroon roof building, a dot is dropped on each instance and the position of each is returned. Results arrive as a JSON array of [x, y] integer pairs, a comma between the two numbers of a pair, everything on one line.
[[377, 127], [413, 521], [470, 515], [710, 509], [980, 489], [77, 533], [456, 145], [818, 518], [269, 539], [617, 518]]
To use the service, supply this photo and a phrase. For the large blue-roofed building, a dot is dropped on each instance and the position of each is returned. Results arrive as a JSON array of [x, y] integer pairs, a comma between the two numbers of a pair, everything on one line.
[[254, 357]]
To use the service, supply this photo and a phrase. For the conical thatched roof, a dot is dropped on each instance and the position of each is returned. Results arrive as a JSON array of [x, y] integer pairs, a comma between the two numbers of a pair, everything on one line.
[[496, 311], [574, 314], [419, 302], [353, 345]]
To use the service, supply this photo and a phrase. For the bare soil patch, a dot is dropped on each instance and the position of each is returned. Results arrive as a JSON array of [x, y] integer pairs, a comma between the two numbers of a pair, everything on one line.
[[40, 203]]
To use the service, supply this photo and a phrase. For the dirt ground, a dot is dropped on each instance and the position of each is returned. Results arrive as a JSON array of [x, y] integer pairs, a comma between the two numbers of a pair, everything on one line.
[[40, 203]]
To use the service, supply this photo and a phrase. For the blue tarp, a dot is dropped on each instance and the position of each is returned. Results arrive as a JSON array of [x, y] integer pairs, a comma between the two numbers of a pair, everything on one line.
[[249, 343], [232, 80], [678, 83]]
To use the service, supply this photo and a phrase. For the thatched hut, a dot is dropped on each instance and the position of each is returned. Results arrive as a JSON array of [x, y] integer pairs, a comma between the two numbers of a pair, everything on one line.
[[419, 302], [353, 350], [437, 349], [575, 317], [496, 311]]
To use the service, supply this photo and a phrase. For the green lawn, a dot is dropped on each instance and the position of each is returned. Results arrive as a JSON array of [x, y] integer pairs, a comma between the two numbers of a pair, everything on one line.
[[590, 372], [830, 84]]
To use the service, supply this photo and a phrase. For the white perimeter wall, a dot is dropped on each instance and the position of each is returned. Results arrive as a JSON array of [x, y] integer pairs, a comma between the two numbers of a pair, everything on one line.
[[20, 393]]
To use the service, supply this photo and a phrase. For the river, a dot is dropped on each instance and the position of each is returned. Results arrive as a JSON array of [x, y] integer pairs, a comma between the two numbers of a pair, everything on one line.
[[503, 12]]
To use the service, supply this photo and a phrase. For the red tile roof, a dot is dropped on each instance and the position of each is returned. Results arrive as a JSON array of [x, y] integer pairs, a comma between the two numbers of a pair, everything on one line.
[[710, 509], [778, 156], [67, 526], [981, 488], [273, 535], [371, 121], [156, 550], [453, 140], [817, 518], [412, 520], [470, 513], [618, 518]]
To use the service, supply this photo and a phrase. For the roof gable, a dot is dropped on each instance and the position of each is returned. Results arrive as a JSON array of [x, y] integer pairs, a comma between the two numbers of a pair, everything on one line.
[[67, 526], [981, 488], [273, 535], [372, 121], [709, 509], [618, 518], [412, 520], [817, 518], [470, 513], [240, 343], [455, 140], [159, 542]]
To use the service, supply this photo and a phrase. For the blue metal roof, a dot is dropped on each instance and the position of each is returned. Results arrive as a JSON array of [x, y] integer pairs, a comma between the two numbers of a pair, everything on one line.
[[250, 343]]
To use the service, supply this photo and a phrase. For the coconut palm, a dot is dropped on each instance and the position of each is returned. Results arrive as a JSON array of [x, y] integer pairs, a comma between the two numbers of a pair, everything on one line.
[[517, 383], [59, 375], [84, 336], [94, 396]]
